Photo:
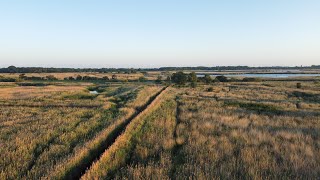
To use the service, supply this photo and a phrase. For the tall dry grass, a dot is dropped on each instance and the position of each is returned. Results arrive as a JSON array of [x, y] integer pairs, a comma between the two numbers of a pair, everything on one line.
[[117, 154]]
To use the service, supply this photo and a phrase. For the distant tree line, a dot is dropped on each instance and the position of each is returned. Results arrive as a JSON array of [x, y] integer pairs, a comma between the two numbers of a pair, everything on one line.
[[182, 78], [13, 69]]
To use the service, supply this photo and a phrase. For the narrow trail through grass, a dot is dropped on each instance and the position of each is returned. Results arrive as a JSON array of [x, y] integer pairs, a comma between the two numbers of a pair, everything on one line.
[[176, 155], [78, 171], [119, 150]]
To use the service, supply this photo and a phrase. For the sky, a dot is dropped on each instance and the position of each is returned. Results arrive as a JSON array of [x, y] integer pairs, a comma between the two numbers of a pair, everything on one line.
[[144, 33]]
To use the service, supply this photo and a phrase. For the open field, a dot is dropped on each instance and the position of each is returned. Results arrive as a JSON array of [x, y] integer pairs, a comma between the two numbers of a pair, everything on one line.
[[40, 133], [143, 130]]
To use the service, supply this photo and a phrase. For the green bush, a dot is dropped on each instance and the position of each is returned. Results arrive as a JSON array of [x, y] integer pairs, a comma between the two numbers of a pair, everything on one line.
[[299, 86], [80, 96], [251, 79], [210, 89], [222, 79]]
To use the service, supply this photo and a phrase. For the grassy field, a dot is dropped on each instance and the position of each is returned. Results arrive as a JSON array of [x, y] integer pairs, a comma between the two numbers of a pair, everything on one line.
[[231, 130], [44, 128]]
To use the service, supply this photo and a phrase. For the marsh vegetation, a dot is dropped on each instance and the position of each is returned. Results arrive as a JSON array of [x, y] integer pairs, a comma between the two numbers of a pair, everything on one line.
[[194, 128]]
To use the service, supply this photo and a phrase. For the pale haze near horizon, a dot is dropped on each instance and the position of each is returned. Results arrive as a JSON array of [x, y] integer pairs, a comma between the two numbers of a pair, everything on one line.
[[145, 33]]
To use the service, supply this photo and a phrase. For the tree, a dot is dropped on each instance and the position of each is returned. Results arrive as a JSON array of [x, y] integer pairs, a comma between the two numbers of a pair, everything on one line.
[[179, 78], [207, 79], [12, 69], [193, 77]]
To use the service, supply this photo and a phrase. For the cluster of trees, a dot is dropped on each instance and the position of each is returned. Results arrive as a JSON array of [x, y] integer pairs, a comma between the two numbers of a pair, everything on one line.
[[182, 78], [226, 68], [88, 78], [13, 69]]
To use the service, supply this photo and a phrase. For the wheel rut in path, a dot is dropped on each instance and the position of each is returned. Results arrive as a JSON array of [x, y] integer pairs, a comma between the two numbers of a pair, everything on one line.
[[79, 171]]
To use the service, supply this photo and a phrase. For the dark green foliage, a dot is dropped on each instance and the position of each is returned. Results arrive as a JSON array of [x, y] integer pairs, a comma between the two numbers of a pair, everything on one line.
[[193, 77], [13, 69], [7, 79], [99, 89], [207, 79], [193, 84], [222, 79], [87, 78], [251, 79], [159, 79], [79, 78], [210, 89], [69, 78], [33, 84], [258, 107], [80, 96], [142, 79], [51, 78], [34, 78], [179, 78], [306, 96], [299, 86]]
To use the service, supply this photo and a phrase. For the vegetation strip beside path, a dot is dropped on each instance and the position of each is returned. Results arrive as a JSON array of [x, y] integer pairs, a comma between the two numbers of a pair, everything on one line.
[[117, 153], [77, 169]]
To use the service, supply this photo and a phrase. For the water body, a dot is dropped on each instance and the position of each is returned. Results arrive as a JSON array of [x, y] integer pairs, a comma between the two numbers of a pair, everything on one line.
[[93, 92], [265, 75]]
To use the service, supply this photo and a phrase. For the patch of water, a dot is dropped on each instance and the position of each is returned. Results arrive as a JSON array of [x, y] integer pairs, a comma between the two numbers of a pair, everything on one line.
[[93, 92]]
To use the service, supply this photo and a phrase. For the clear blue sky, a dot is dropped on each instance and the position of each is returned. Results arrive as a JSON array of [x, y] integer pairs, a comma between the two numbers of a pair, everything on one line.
[[146, 33]]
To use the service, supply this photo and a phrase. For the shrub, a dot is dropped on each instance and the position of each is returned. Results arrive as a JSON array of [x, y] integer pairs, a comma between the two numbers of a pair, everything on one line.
[[207, 79], [142, 79], [251, 79], [7, 79], [179, 78], [80, 96], [210, 89], [299, 86], [193, 77], [193, 84], [79, 78], [159, 80], [222, 79], [32, 84], [51, 78]]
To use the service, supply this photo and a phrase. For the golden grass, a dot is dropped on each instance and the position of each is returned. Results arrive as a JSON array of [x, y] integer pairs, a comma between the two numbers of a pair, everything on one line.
[[44, 132], [116, 155], [238, 131], [71, 164], [262, 130], [25, 92]]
